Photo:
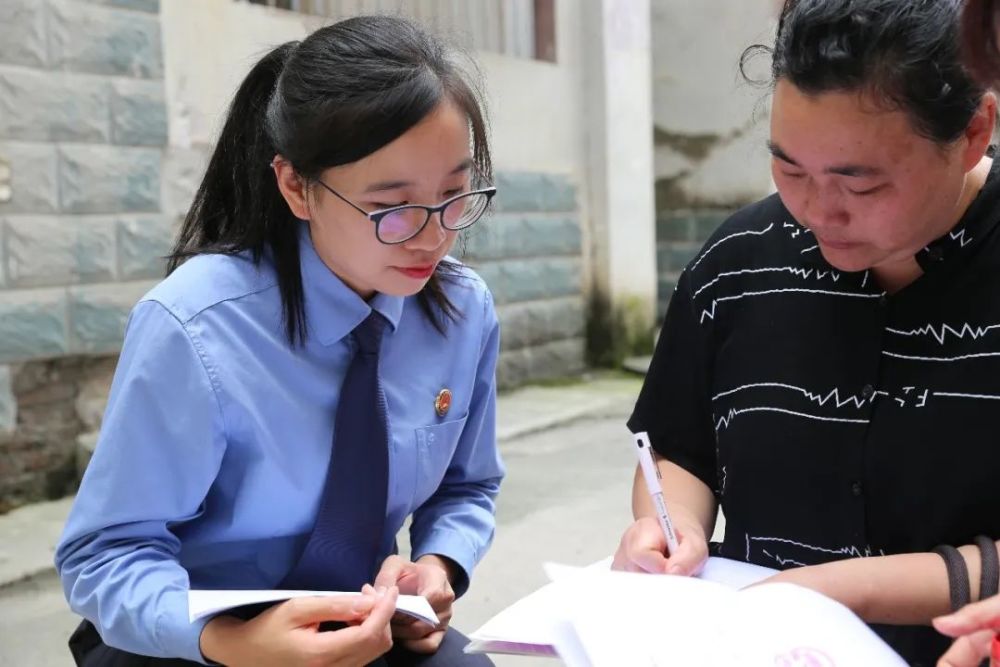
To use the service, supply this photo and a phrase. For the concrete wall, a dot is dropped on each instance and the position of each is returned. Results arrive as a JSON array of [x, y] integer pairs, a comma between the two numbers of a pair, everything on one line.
[[209, 45], [82, 128], [710, 127]]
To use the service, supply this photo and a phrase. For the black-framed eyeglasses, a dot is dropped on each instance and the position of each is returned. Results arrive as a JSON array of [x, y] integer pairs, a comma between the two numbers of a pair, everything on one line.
[[401, 223]]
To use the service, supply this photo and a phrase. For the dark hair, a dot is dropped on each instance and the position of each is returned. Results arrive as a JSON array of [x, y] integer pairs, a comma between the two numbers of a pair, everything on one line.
[[340, 94], [904, 53], [980, 24]]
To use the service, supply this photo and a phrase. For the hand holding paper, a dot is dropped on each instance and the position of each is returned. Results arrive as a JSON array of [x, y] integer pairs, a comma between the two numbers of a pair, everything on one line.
[[202, 603], [290, 633], [427, 577]]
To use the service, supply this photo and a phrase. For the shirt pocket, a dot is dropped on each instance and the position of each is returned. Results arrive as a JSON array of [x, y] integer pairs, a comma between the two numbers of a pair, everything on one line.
[[436, 445]]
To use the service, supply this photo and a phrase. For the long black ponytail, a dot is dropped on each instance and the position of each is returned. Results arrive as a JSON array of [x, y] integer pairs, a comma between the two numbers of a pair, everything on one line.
[[340, 94]]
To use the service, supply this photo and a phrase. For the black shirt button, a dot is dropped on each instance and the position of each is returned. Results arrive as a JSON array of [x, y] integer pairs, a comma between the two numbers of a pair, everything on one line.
[[867, 391], [883, 300], [935, 254], [856, 489]]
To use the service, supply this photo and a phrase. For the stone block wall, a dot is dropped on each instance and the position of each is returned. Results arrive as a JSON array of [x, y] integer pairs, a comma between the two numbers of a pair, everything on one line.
[[680, 234], [83, 126], [90, 198], [529, 252]]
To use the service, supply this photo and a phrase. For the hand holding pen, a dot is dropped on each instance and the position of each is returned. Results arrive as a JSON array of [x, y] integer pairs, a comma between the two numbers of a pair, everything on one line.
[[665, 540], [651, 474]]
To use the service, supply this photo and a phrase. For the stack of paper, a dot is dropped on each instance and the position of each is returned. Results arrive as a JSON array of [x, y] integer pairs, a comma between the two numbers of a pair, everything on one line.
[[596, 618], [530, 625]]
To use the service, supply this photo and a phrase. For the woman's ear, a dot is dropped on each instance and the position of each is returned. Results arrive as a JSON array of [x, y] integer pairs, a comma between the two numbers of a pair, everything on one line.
[[980, 131], [292, 186]]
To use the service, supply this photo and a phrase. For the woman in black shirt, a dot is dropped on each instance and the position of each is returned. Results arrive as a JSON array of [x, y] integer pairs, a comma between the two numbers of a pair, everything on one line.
[[828, 367]]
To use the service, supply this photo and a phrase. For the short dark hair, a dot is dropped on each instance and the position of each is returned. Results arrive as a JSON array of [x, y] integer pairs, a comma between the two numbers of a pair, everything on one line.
[[340, 94], [980, 24], [904, 53]]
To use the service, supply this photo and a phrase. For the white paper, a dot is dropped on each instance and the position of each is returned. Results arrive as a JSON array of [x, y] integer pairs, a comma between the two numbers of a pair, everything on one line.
[[593, 617], [530, 626], [734, 573], [203, 603], [634, 619]]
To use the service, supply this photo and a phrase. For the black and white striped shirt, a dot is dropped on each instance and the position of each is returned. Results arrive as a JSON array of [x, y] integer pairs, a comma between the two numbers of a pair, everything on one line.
[[833, 420]]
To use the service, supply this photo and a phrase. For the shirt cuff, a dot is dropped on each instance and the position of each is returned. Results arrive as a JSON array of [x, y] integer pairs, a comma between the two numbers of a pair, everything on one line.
[[180, 637], [452, 545]]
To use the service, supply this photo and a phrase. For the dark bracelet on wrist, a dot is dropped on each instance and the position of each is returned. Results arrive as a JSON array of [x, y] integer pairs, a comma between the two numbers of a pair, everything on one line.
[[958, 576], [989, 579]]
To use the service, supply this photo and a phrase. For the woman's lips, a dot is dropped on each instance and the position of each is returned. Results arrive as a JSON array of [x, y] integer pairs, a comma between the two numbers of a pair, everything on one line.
[[417, 272], [836, 244]]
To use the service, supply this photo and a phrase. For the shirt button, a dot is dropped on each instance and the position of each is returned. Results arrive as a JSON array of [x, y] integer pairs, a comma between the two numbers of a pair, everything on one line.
[[935, 254], [856, 489], [868, 391], [883, 300]]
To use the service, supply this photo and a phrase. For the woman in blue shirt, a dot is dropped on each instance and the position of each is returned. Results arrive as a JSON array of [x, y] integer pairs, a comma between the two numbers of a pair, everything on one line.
[[315, 304]]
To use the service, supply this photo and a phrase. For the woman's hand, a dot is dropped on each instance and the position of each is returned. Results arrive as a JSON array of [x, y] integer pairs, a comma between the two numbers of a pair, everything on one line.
[[974, 627], [430, 577], [643, 547], [288, 634]]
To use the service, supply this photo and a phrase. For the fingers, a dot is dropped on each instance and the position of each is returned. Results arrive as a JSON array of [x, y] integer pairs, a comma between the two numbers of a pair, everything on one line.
[[644, 547], [313, 610], [383, 609], [393, 568], [689, 559], [439, 594], [641, 549], [968, 651], [433, 585], [412, 630], [371, 638], [979, 616], [647, 561], [428, 644]]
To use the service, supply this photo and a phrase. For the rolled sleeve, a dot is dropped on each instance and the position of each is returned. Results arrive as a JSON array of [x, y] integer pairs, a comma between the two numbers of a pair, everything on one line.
[[674, 405], [160, 448]]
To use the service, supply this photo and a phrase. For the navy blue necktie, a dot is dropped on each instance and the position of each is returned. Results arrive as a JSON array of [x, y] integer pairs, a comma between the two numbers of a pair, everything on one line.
[[345, 546]]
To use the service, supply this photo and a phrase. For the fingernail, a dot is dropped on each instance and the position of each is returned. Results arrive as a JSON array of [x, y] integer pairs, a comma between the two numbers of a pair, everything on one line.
[[674, 569], [943, 622], [380, 590]]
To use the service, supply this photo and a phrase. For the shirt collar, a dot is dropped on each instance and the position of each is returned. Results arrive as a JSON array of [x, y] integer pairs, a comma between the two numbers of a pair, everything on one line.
[[332, 308], [972, 229]]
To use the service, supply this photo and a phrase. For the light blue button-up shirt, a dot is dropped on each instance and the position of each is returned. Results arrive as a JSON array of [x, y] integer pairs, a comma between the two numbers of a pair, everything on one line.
[[215, 444]]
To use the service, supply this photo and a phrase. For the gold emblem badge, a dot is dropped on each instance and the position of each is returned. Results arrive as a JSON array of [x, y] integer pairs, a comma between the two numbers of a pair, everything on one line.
[[442, 402]]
